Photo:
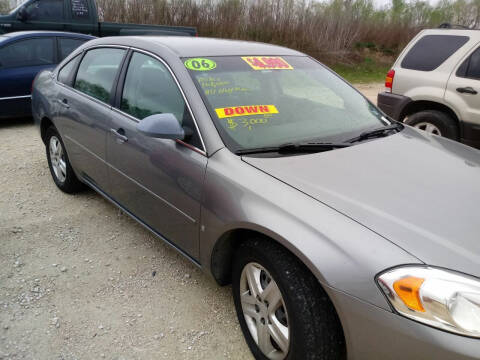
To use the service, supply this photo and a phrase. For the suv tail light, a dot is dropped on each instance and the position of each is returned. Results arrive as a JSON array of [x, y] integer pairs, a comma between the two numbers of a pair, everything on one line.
[[389, 80]]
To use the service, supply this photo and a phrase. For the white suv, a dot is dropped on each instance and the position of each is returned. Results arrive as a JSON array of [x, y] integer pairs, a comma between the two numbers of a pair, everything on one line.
[[434, 85]]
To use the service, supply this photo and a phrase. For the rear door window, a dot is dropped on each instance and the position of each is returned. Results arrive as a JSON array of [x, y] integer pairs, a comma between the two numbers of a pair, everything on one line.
[[97, 71], [474, 65], [67, 45], [431, 51], [65, 75], [30, 52], [470, 68]]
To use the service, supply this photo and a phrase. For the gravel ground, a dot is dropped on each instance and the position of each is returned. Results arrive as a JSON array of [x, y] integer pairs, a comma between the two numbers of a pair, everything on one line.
[[371, 90], [81, 280]]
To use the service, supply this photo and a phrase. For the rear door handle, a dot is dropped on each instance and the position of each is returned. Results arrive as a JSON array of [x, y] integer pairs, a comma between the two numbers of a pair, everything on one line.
[[64, 103], [467, 90], [120, 134]]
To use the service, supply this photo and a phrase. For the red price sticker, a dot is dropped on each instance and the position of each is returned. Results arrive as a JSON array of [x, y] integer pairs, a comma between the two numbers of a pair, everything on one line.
[[267, 63]]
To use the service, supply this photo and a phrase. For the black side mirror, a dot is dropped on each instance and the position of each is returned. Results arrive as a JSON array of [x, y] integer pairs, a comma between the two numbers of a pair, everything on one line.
[[22, 14], [162, 126]]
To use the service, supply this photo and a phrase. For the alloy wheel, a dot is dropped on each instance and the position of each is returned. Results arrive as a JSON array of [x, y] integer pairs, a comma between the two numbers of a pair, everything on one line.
[[428, 127], [57, 159], [264, 311]]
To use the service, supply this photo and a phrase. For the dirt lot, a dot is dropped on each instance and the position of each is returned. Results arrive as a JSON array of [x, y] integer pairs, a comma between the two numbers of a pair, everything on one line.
[[371, 90], [80, 280]]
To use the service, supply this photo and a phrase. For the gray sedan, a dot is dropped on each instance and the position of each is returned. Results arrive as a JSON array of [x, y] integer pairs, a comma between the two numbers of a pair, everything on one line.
[[344, 234]]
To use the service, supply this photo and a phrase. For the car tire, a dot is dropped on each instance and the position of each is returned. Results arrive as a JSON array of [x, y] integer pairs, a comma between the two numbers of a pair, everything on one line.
[[59, 164], [304, 312], [434, 122]]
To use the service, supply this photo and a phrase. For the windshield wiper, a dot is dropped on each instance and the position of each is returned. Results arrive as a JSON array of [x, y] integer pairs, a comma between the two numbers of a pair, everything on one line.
[[294, 148], [380, 132]]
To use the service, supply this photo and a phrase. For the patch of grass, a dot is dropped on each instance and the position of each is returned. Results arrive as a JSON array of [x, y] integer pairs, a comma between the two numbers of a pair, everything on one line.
[[365, 72]]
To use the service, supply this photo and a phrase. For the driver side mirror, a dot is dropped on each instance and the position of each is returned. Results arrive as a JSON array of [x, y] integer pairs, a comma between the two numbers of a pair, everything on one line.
[[22, 14], [162, 126]]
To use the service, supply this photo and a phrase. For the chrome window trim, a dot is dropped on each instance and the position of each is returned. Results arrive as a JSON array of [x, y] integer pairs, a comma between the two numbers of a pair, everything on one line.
[[16, 97], [83, 56], [72, 56], [72, 88], [193, 148]]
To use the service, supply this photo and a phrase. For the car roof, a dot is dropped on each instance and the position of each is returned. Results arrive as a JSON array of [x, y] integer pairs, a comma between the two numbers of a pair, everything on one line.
[[471, 33], [28, 34], [185, 46]]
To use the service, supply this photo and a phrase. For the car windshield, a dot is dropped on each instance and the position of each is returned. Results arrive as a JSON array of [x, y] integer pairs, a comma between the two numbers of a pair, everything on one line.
[[261, 101]]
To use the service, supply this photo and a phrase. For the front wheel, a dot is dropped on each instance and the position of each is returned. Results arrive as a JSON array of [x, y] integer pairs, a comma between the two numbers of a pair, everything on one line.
[[283, 311]]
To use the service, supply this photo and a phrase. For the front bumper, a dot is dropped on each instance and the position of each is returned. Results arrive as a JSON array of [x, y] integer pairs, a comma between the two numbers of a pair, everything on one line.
[[374, 333], [392, 104]]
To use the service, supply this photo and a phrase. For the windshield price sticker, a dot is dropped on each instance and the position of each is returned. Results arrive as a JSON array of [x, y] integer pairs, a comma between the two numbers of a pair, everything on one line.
[[267, 63], [245, 110], [200, 64]]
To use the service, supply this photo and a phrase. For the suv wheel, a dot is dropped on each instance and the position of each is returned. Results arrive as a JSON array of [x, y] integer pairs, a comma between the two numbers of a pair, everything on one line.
[[60, 168], [434, 122], [283, 311]]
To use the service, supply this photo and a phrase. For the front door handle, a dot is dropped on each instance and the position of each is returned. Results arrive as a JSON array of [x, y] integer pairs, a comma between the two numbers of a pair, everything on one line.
[[120, 134], [64, 103], [467, 90]]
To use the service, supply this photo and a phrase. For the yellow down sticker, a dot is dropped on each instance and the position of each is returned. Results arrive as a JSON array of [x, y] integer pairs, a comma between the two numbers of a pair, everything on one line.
[[245, 110]]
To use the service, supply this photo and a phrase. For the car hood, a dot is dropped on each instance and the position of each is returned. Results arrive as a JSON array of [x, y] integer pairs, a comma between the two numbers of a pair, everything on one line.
[[420, 192]]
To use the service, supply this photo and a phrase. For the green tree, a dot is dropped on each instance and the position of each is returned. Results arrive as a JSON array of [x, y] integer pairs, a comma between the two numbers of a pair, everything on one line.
[[4, 6]]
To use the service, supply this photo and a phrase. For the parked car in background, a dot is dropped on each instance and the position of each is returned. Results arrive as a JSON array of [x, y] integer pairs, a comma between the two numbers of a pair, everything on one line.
[[271, 173], [434, 85], [77, 16], [22, 56]]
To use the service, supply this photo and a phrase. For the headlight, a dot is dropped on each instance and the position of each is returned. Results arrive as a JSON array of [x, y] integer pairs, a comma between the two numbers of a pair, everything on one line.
[[440, 298]]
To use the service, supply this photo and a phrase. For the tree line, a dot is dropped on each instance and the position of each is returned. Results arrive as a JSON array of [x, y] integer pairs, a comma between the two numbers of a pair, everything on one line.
[[330, 29]]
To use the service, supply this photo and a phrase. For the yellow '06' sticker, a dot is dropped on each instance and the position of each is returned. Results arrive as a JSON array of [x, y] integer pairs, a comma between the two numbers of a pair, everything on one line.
[[267, 63], [246, 110]]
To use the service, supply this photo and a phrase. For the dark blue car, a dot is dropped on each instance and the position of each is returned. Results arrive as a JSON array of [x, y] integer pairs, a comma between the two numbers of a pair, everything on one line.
[[22, 56]]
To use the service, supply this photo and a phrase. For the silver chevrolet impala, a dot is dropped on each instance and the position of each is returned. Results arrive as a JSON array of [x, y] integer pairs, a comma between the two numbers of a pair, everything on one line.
[[344, 234]]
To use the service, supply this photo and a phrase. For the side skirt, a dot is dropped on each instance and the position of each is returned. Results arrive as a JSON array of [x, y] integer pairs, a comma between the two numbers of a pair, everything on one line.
[[154, 232]]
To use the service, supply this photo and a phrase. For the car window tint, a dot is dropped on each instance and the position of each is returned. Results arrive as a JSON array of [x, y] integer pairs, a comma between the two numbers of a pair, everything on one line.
[[68, 45], [462, 70], [45, 10], [97, 72], [39, 51], [150, 89], [65, 74], [431, 51], [474, 65]]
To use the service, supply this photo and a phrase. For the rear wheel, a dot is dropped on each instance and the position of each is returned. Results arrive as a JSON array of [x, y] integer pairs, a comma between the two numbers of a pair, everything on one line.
[[59, 164], [434, 122], [283, 311]]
